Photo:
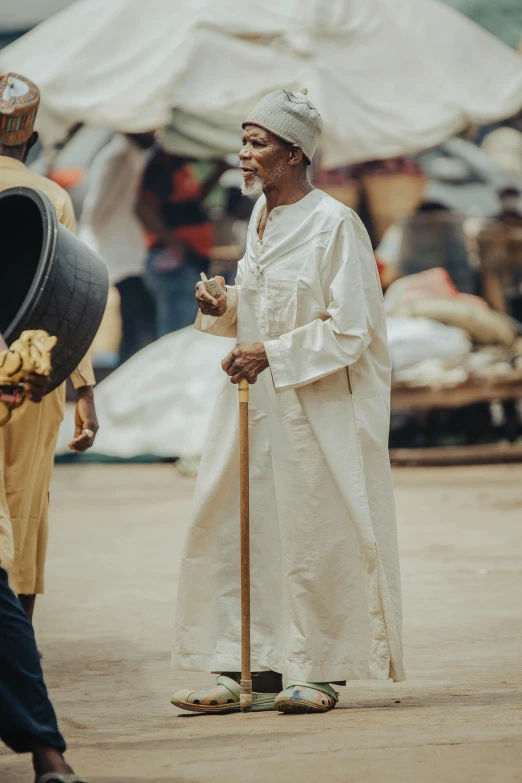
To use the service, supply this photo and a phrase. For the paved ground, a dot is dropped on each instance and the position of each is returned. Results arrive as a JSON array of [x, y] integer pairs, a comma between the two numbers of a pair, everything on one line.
[[105, 625]]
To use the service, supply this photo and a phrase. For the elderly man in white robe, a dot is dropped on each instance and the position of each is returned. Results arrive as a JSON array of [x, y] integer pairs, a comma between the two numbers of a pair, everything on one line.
[[307, 315]]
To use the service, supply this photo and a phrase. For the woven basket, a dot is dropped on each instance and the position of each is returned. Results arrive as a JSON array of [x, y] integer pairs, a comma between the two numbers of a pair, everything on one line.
[[348, 194], [392, 197]]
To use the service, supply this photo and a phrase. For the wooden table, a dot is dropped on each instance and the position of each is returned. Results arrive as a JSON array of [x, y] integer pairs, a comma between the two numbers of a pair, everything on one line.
[[424, 398], [405, 398], [445, 456]]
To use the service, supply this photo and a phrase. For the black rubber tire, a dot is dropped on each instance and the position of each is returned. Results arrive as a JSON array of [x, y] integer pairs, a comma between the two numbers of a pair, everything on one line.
[[60, 284]]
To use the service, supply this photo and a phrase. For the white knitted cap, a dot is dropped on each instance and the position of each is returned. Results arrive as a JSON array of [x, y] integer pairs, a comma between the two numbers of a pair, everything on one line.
[[291, 116]]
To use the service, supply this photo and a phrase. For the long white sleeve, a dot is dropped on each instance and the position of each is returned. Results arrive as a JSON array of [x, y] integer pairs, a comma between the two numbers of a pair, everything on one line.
[[225, 325], [354, 313]]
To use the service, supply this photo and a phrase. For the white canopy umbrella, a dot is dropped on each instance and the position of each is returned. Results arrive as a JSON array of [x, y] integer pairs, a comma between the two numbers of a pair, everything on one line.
[[390, 77]]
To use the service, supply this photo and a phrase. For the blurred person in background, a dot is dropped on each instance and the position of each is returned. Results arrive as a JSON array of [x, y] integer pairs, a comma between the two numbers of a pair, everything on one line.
[[28, 440], [510, 207], [433, 236], [231, 229], [109, 220], [240, 208], [27, 719], [171, 209], [510, 216]]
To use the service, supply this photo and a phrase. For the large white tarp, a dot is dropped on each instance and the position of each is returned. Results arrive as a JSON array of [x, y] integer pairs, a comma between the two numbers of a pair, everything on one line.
[[19, 15], [503, 18], [389, 76], [160, 401]]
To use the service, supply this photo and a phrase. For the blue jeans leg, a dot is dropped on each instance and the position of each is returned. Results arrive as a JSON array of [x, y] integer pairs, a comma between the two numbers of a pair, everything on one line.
[[138, 316], [27, 717], [174, 294]]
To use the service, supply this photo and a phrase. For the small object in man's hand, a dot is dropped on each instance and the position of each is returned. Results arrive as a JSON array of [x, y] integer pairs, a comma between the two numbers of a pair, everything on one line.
[[211, 304], [213, 286]]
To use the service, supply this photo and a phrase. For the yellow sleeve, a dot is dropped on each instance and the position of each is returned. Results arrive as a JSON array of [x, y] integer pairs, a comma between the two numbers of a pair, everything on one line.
[[67, 217], [84, 373], [226, 324]]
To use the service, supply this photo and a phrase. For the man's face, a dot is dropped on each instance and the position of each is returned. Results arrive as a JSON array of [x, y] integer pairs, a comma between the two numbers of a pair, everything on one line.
[[263, 160]]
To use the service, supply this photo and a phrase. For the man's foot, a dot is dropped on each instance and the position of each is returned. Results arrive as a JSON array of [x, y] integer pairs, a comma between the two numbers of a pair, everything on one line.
[[302, 697], [223, 698], [51, 767]]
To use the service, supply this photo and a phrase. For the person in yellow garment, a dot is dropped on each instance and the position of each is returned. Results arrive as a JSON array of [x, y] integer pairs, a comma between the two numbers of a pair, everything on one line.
[[28, 721], [27, 441]]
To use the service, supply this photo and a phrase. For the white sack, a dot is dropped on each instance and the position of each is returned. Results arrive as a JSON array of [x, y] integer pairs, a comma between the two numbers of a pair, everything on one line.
[[484, 325], [413, 340], [160, 401]]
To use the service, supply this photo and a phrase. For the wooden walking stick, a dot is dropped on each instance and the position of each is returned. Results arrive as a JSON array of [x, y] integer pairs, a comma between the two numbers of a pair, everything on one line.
[[245, 699]]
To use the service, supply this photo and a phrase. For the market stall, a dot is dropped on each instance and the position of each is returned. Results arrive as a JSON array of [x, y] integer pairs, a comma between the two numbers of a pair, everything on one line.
[[452, 352]]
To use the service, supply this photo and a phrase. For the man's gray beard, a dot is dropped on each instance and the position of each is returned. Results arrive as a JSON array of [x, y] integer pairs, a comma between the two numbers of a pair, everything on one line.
[[255, 188], [258, 185]]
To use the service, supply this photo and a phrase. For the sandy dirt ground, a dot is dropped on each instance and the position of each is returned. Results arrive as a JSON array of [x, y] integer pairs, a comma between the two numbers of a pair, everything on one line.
[[105, 625]]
